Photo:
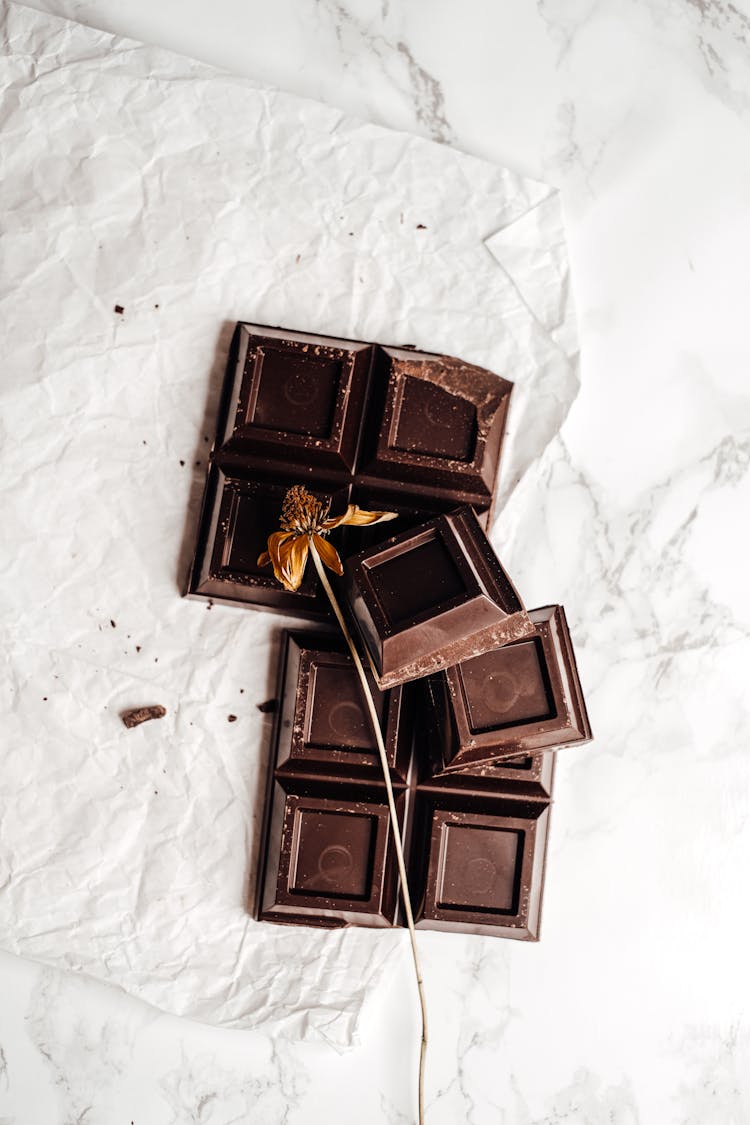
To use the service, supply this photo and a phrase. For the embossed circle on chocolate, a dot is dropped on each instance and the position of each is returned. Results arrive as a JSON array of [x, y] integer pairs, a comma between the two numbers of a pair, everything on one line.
[[346, 720], [300, 387], [479, 875], [295, 391], [501, 692], [506, 686], [434, 422], [337, 718], [335, 863]]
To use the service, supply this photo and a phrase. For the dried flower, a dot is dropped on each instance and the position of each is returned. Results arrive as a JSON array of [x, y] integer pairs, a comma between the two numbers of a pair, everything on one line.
[[305, 521]]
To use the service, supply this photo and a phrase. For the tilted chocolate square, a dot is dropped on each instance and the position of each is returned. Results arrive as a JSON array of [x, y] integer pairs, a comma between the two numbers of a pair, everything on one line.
[[432, 597], [519, 699]]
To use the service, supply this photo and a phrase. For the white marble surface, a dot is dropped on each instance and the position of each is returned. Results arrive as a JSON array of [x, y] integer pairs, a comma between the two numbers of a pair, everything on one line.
[[636, 519]]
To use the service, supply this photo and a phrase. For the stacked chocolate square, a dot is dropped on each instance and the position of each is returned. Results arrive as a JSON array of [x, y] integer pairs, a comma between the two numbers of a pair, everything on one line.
[[473, 692]]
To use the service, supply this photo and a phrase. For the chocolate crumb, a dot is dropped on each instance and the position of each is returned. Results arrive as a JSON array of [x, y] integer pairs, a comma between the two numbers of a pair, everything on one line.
[[119, 309], [268, 707], [297, 259], [156, 306], [138, 715], [182, 462], [421, 226], [44, 699], [242, 691], [113, 623], [137, 648], [231, 718]]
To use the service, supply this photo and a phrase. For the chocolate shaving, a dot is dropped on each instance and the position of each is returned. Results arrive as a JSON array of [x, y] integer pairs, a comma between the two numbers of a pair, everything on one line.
[[138, 715], [268, 707]]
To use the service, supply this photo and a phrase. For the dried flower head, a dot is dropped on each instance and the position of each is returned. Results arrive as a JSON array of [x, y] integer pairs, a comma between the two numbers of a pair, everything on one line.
[[304, 523]]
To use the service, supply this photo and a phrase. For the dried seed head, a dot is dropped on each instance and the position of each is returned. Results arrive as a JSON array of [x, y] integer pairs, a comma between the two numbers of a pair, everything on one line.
[[301, 512]]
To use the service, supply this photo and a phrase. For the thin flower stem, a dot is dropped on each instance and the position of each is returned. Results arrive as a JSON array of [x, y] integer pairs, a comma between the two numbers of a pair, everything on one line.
[[392, 808]]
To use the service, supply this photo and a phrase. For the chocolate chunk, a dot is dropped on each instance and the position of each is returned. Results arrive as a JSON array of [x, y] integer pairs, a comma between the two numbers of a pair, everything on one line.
[[138, 715], [432, 597], [510, 701]]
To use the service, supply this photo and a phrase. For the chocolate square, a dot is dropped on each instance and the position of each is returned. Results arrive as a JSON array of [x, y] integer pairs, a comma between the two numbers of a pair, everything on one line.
[[431, 597], [419, 578], [433, 422], [328, 856], [332, 853], [481, 862], [437, 422], [294, 398], [479, 868], [515, 700], [324, 725], [506, 687], [237, 517], [435, 740], [293, 392]]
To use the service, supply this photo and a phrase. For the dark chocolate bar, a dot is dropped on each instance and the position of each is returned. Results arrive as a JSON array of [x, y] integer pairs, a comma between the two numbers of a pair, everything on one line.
[[432, 597], [383, 428], [475, 845], [518, 699]]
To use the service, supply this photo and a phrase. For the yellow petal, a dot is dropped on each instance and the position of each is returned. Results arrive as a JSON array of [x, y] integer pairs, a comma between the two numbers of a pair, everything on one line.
[[328, 554], [358, 517], [276, 542], [264, 559], [293, 559]]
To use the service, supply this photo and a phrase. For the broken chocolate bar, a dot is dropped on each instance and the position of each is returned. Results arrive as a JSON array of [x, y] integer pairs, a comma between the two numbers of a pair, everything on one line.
[[384, 428], [432, 597], [475, 845]]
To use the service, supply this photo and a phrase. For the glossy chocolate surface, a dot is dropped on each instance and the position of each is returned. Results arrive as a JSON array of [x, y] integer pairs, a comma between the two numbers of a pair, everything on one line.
[[519, 699], [432, 597], [475, 845], [388, 429]]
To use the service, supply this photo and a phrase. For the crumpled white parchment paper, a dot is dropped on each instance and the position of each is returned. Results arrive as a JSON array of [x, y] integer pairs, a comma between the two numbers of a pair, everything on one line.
[[191, 199]]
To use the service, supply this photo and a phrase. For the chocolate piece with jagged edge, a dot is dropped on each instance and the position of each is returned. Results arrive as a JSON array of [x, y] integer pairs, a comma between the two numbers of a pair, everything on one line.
[[475, 845], [439, 424], [432, 597], [384, 428], [510, 701]]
